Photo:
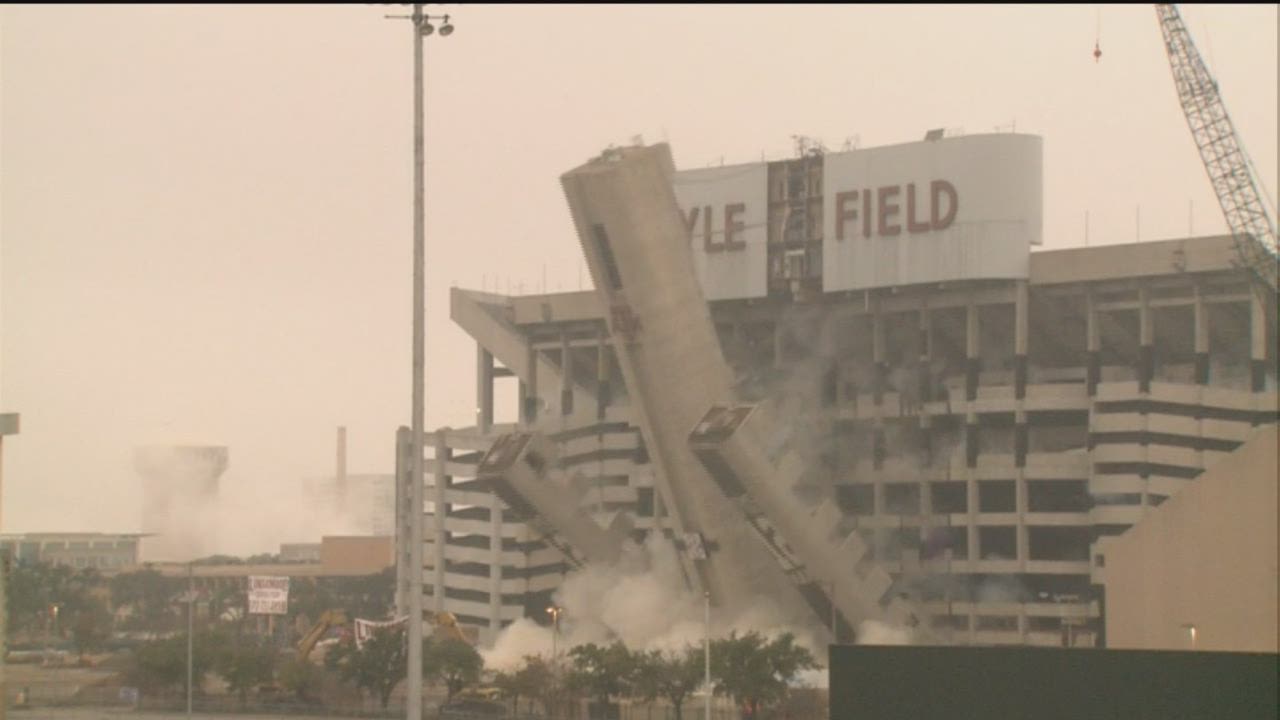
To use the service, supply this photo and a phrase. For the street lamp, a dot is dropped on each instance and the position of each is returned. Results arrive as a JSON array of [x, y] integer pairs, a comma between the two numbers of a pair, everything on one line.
[[421, 28], [52, 632], [554, 612]]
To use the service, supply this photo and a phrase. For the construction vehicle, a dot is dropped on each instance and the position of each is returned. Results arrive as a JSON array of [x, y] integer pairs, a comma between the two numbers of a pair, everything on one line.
[[474, 700], [446, 625], [328, 619]]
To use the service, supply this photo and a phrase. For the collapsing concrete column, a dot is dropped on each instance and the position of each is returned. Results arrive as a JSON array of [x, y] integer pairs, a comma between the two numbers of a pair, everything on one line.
[[518, 469], [566, 375], [484, 389], [529, 392], [637, 247]]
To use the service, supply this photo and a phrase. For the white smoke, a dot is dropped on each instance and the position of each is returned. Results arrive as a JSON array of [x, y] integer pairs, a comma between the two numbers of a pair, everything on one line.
[[871, 632], [192, 511], [641, 600]]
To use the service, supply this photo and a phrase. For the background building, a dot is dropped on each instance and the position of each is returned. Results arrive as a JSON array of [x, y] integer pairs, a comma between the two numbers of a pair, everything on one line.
[[104, 551]]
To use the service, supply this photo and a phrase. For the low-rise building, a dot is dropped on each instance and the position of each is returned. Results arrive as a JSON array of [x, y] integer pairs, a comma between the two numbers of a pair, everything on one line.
[[104, 551]]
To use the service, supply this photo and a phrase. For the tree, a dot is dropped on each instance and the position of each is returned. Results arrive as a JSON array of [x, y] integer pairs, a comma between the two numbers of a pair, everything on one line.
[[149, 595], [161, 665], [377, 667], [243, 662], [757, 673], [35, 588], [453, 661], [673, 676], [301, 678], [508, 682], [90, 626], [539, 678], [600, 672]]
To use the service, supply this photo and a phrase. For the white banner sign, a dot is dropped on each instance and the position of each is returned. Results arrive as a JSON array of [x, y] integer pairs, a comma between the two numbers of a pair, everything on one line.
[[726, 211], [268, 595], [366, 628]]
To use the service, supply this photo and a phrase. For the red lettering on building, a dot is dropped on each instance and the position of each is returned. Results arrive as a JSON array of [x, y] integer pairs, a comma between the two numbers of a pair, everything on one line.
[[887, 210], [726, 238], [936, 190], [733, 226], [914, 226], [885, 218], [842, 213], [691, 219]]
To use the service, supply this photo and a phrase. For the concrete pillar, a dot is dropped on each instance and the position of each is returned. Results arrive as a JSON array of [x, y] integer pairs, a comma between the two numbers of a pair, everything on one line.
[[1201, 313], [604, 384], [1257, 343], [925, 380], [973, 358], [1146, 341], [529, 391], [1021, 311], [1020, 507], [1093, 343], [566, 375], [971, 444], [879, 368], [441, 480], [484, 388], [971, 508], [495, 565]]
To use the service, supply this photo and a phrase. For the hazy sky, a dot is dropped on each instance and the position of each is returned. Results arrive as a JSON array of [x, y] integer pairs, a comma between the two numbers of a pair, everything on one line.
[[206, 211]]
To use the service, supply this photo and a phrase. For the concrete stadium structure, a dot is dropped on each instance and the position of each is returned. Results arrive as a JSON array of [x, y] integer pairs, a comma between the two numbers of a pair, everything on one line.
[[988, 422]]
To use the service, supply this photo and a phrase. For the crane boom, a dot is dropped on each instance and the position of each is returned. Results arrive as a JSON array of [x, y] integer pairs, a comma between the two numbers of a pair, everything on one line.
[[1220, 150]]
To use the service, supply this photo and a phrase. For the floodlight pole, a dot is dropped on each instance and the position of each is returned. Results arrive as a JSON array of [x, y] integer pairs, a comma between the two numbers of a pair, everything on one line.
[[413, 704]]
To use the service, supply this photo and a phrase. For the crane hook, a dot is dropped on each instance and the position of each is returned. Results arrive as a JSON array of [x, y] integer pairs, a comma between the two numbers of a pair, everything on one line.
[[1097, 52]]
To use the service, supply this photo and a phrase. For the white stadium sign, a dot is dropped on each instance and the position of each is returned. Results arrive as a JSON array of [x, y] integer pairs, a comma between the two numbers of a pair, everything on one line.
[[960, 208]]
